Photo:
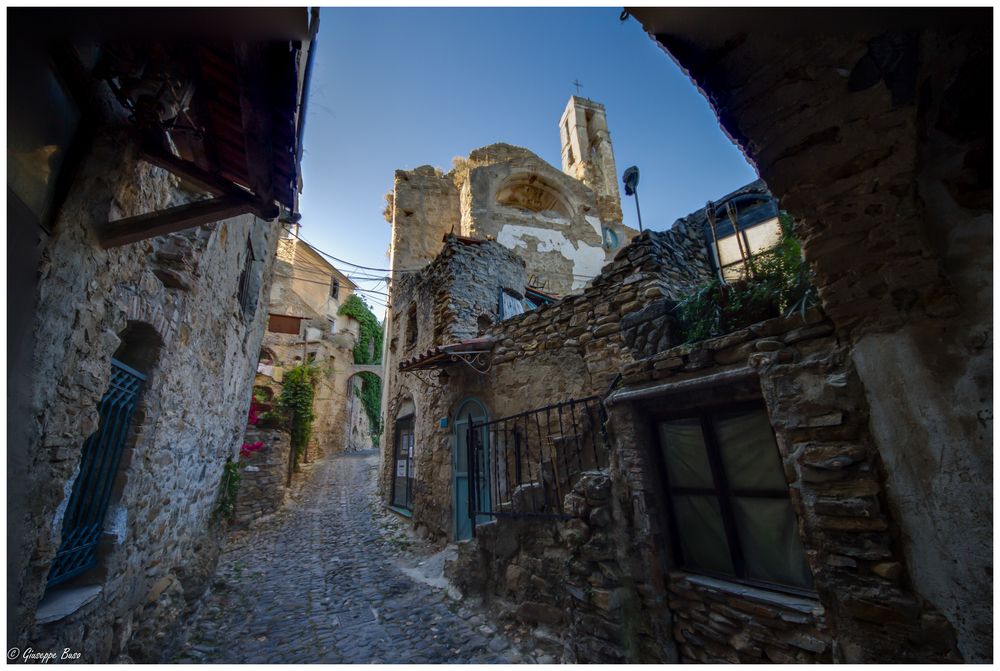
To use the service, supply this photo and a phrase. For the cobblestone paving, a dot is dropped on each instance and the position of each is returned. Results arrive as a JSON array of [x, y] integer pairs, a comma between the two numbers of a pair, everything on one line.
[[322, 582]]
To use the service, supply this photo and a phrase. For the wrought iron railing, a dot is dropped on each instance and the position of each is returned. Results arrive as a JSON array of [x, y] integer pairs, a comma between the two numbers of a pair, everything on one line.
[[525, 464], [102, 452]]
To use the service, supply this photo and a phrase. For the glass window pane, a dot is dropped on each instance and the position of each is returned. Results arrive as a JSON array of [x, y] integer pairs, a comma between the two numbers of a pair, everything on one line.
[[764, 236], [703, 538], [769, 535], [684, 453], [729, 250], [749, 453]]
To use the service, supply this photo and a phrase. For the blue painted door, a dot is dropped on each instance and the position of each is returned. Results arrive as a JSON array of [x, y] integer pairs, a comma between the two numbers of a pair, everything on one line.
[[471, 410]]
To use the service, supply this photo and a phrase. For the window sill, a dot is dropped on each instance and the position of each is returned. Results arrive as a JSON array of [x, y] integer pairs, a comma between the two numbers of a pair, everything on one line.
[[802, 604], [401, 511], [62, 602]]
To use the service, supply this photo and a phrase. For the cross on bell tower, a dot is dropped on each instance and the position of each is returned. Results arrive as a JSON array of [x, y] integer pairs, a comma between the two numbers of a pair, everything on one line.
[[578, 85]]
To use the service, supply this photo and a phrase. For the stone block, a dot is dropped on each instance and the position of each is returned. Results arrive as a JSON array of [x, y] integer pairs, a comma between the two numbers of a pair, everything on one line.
[[605, 330], [594, 486], [539, 613], [574, 532]]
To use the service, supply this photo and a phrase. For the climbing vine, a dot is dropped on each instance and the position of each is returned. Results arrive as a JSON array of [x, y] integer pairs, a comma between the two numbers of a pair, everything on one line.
[[229, 490], [370, 336], [367, 350], [297, 392], [371, 399]]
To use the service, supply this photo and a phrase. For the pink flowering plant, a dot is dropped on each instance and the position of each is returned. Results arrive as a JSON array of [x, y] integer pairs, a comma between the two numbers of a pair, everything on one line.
[[250, 448]]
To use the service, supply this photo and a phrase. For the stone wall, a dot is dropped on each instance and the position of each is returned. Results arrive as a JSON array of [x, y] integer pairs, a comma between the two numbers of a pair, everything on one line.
[[866, 606], [572, 348], [263, 478], [198, 348], [894, 211], [422, 209], [820, 418], [548, 218], [454, 298], [358, 426]]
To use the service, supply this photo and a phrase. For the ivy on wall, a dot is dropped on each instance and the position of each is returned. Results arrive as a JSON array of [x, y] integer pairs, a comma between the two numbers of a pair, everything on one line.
[[367, 350], [229, 490], [297, 392], [369, 346], [371, 399]]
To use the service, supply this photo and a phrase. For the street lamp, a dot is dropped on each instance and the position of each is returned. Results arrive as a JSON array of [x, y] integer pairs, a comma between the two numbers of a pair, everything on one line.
[[631, 181]]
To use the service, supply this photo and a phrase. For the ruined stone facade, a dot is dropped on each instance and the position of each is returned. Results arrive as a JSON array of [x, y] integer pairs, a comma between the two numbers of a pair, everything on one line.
[[305, 324], [895, 360], [168, 307], [565, 225]]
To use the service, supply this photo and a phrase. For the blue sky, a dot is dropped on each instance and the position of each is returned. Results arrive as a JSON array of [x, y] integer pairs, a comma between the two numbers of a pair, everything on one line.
[[398, 88]]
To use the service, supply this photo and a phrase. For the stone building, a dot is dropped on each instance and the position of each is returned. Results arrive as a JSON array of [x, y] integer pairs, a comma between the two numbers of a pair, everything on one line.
[[305, 324], [559, 229], [141, 253], [810, 487], [565, 225]]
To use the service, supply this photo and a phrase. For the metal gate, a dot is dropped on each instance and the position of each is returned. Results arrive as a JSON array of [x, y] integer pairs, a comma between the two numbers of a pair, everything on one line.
[[102, 452], [525, 464]]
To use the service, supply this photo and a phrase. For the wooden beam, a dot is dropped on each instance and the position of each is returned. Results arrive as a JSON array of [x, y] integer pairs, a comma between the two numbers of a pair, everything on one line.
[[189, 172], [179, 218]]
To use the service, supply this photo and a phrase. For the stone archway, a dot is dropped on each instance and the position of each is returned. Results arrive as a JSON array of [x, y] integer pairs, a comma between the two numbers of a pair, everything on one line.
[[362, 428], [868, 127]]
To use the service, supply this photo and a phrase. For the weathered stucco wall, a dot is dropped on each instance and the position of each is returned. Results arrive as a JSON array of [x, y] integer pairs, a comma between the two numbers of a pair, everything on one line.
[[180, 292], [301, 288], [547, 217]]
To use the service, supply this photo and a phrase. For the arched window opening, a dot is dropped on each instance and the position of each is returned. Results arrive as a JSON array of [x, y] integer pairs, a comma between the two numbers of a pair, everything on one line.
[[531, 193], [97, 482]]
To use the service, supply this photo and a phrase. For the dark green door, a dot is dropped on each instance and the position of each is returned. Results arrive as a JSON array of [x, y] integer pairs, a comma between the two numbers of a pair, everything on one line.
[[470, 410]]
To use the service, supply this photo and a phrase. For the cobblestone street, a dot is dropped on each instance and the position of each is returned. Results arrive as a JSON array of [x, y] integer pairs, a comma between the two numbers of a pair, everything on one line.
[[324, 581]]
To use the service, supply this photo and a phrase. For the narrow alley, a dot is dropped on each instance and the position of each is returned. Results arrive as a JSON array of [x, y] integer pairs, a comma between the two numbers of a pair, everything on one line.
[[323, 581], [419, 382]]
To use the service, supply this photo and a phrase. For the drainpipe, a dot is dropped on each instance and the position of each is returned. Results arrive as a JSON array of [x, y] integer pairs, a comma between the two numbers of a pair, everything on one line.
[[307, 78]]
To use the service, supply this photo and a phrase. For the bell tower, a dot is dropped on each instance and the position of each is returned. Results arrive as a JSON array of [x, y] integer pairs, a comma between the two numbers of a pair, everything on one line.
[[587, 154]]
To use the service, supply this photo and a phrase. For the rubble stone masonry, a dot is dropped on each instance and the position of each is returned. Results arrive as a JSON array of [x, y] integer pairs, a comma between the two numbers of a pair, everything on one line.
[[173, 299]]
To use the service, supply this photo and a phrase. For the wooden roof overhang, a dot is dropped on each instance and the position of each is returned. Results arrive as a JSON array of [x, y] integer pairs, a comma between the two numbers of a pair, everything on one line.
[[474, 352], [217, 99]]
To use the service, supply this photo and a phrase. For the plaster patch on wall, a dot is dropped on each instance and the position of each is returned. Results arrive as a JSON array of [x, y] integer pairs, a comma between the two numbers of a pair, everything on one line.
[[57, 518], [596, 223], [116, 522], [587, 260]]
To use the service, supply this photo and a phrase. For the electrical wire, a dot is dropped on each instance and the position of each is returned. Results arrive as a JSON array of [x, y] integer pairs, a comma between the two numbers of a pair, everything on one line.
[[348, 263], [303, 279]]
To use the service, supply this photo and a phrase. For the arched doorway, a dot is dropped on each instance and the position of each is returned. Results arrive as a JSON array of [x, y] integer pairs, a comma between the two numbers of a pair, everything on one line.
[[470, 411], [362, 412]]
